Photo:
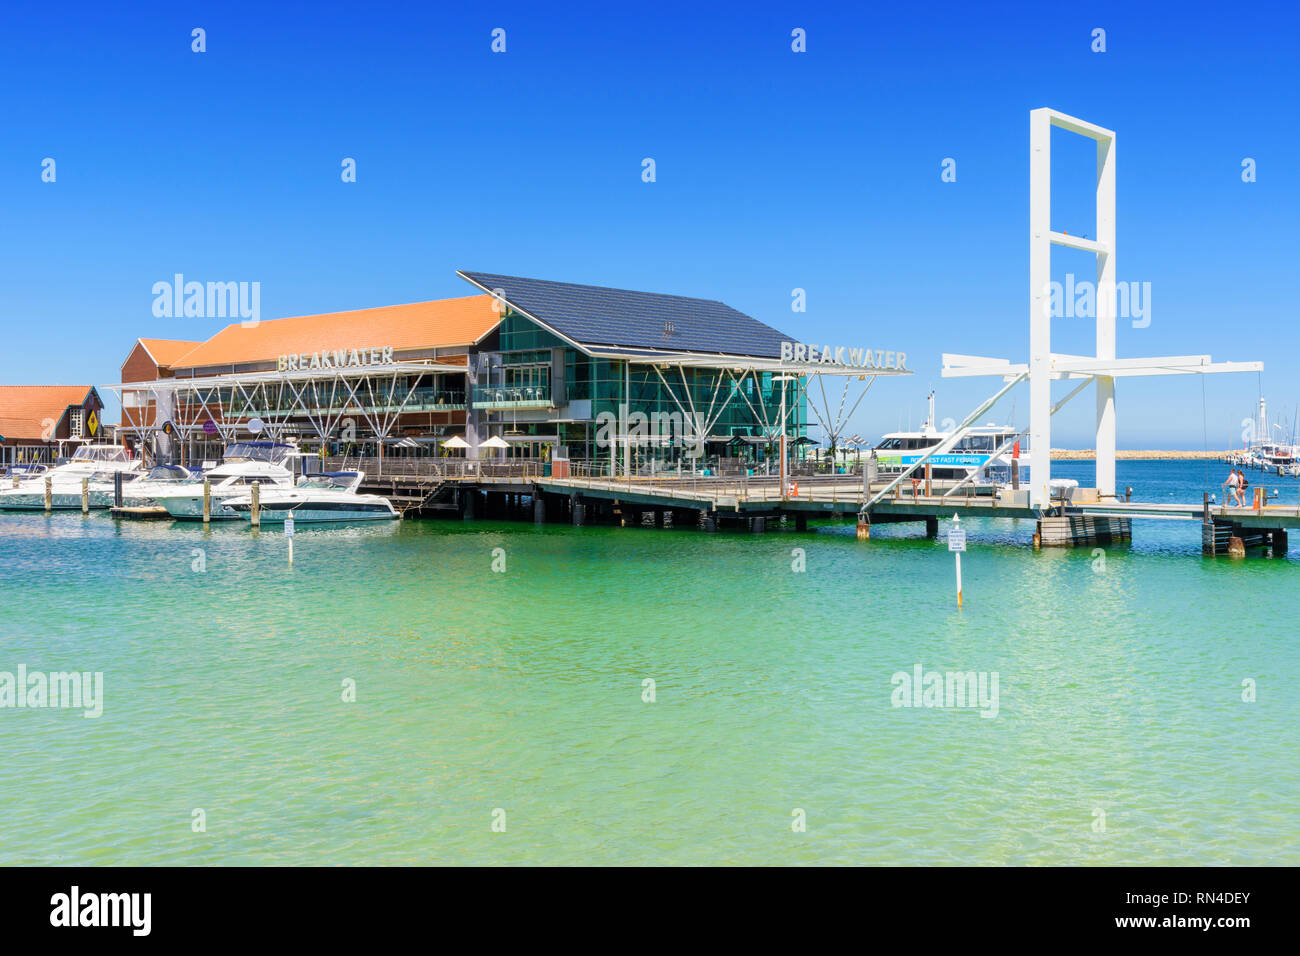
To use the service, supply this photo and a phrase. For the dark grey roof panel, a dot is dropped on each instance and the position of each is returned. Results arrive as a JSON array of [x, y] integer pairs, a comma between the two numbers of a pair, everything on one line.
[[594, 315]]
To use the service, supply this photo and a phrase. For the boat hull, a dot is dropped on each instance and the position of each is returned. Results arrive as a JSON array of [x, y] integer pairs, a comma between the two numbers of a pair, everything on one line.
[[320, 513], [59, 501], [191, 508]]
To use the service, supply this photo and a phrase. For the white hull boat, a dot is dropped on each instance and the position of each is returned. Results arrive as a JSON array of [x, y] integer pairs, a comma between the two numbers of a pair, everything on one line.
[[330, 497], [244, 464]]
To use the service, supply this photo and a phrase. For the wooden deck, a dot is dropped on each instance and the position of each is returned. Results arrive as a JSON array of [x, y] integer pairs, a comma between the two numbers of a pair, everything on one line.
[[443, 485]]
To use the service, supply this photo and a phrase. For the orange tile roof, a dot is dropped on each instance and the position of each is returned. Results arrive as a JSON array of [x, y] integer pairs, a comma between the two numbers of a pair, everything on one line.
[[440, 323], [25, 410], [166, 351]]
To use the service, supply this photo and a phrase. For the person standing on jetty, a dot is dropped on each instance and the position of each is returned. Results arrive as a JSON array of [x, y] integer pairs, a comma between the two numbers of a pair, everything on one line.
[[1230, 486], [1242, 485]]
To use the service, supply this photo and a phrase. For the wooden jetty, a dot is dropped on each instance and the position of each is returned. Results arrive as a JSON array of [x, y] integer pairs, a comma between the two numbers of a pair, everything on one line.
[[522, 490]]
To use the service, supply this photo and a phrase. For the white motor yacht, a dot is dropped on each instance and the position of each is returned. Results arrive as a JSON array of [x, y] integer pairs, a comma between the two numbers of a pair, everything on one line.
[[328, 496], [156, 481], [96, 463], [244, 463]]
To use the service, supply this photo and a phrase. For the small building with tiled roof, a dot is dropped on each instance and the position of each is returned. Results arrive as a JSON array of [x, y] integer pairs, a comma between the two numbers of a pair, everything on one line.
[[35, 419]]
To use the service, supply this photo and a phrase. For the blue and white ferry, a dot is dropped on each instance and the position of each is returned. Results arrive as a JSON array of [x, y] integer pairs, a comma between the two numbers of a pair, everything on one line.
[[987, 450]]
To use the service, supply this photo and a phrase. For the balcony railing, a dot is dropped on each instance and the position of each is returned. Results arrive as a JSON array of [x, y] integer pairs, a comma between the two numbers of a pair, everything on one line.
[[420, 400], [435, 469], [512, 396]]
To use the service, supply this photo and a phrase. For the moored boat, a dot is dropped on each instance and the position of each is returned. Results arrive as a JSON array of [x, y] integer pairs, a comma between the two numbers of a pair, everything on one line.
[[96, 464], [243, 464], [316, 498]]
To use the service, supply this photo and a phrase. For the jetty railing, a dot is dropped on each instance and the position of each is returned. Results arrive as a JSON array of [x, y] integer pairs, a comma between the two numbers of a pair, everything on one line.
[[437, 469]]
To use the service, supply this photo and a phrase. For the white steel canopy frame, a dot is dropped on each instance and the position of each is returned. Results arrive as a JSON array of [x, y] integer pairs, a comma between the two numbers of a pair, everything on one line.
[[323, 397], [1044, 366]]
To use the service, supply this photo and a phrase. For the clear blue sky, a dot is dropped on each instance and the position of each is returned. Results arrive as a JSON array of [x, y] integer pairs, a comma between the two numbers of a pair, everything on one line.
[[775, 170]]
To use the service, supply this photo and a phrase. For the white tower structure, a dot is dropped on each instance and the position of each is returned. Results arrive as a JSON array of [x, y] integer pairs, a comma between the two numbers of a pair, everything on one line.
[[1046, 366]]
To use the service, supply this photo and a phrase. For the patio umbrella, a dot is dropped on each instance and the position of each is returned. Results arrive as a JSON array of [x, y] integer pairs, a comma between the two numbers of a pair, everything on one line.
[[494, 442], [455, 442]]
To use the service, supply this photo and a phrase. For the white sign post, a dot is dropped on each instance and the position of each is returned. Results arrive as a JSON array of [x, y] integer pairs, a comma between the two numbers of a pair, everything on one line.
[[288, 533], [957, 544]]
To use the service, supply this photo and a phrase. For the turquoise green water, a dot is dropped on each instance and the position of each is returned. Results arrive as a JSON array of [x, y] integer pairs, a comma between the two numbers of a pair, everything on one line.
[[1119, 691]]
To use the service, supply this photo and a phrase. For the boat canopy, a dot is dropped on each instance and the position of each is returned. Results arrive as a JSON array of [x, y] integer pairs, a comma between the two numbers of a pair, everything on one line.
[[100, 453], [268, 451], [337, 480], [168, 473]]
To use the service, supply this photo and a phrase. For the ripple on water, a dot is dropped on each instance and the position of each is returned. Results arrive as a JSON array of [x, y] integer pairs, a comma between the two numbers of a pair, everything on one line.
[[1119, 692]]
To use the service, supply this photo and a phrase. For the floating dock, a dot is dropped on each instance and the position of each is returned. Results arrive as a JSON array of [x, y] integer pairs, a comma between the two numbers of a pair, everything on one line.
[[152, 512]]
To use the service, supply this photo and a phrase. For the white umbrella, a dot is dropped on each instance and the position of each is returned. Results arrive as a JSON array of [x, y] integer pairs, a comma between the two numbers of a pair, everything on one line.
[[455, 441], [495, 442]]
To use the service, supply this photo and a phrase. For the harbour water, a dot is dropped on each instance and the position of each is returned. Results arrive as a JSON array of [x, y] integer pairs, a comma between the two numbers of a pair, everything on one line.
[[1121, 735]]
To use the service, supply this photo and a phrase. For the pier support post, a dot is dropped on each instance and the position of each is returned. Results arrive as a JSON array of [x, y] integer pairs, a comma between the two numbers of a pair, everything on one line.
[[710, 521], [1236, 547], [49, 494], [85, 496], [931, 527], [579, 510], [256, 510], [864, 528], [759, 526], [1075, 530], [117, 489], [467, 503], [207, 501], [539, 509], [1279, 542]]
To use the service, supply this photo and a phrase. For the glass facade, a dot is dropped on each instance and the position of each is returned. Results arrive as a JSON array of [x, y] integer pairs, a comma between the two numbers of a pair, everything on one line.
[[659, 403]]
